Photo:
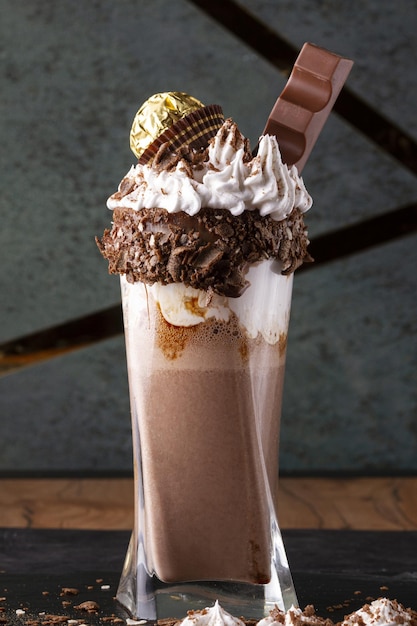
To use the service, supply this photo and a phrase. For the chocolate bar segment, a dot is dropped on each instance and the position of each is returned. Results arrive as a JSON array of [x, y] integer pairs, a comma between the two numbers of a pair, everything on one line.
[[303, 107]]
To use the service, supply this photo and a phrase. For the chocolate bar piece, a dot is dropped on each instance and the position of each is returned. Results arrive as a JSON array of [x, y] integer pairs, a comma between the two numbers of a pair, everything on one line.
[[303, 107]]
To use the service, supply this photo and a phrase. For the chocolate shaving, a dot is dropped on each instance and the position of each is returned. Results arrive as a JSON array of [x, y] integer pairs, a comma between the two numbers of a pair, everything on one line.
[[69, 591], [50, 620], [89, 606], [166, 159]]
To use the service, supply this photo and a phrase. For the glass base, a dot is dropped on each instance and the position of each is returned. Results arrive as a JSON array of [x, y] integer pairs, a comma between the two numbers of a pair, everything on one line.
[[146, 597]]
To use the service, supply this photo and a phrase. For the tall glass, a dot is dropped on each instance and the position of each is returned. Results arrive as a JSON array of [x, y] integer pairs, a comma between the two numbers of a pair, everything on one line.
[[205, 404]]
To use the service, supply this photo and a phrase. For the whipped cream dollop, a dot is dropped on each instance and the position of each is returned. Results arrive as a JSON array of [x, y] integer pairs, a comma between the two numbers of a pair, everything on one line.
[[228, 178], [381, 612], [212, 616], [293, 617]]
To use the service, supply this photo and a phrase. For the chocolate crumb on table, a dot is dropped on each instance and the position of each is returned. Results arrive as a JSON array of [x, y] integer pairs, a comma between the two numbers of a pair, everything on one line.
[[69, 591], [89, 605]]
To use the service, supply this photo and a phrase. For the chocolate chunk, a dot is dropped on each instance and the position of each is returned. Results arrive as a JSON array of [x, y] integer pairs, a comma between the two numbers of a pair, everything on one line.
[[303, 107], [89, 606], [69, 591]]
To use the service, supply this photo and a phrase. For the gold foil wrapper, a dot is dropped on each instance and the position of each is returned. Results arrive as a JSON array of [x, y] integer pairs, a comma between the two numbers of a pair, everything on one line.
[[157, 114], [194, 130]]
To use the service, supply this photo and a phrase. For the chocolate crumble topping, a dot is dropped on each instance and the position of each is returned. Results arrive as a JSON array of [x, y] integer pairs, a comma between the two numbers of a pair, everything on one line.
[[209, 251]]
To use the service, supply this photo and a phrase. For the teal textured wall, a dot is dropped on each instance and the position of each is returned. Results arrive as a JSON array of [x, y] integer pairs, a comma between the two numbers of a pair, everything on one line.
[[72, 76]]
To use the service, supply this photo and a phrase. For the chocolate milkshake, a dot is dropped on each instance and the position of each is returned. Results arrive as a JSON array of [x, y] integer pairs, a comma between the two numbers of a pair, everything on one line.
[[206, 286], [207, 398], [206, 237]]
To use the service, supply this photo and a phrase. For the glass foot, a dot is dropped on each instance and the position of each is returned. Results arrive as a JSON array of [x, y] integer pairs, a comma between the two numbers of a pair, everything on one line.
[[146, 597]]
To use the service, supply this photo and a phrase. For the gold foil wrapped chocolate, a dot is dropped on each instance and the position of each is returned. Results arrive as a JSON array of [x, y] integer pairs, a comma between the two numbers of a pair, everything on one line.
[[176, 118], [156, 114]]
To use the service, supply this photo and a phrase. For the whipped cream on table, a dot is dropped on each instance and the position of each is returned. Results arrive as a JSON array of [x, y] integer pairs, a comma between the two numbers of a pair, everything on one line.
[[381, 612], [228, 179], [212, 616], [293, 617]]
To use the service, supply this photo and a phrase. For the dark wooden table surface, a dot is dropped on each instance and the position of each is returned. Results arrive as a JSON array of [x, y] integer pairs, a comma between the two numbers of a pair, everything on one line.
[[336, 570]]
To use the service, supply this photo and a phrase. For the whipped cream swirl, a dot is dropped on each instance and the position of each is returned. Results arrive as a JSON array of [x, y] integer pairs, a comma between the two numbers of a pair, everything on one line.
[[228, 178], [213, 616]]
